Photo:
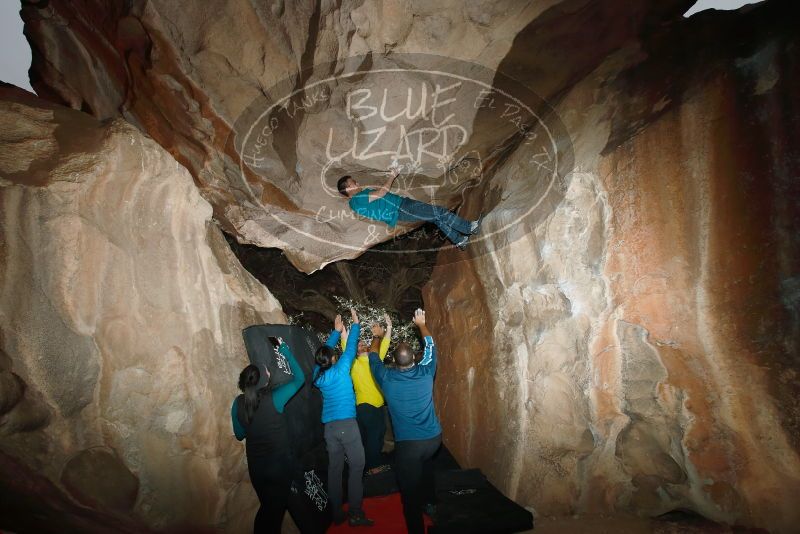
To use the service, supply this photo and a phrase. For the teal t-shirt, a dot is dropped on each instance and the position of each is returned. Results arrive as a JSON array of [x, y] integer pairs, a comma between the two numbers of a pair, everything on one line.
[[383, 209]]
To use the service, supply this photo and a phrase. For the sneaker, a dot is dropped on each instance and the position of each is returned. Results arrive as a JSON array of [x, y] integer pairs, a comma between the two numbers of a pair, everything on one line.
[[379, 469], [462, 243], [475, 225], [430, 511], [358, 519]]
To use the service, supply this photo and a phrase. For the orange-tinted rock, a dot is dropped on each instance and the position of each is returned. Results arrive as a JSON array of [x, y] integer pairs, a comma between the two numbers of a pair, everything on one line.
[[187, 76], [637, 343], [630, 346]]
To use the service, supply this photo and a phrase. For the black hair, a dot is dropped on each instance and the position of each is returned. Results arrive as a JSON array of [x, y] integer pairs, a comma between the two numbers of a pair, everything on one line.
[[341, 185], [324, 358], [403, 355], [248, 384]]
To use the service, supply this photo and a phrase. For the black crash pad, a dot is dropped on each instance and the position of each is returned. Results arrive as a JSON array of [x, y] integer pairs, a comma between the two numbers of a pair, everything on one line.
[[262, 350], [469, 504], [308, 500]]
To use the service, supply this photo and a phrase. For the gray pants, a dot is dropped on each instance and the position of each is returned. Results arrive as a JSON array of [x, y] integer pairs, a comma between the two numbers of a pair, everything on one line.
[[343, 438]]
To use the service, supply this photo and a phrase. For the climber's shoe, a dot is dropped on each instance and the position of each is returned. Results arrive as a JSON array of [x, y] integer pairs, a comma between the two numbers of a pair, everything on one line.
[[462, 243], [475, 225], [358, 519]]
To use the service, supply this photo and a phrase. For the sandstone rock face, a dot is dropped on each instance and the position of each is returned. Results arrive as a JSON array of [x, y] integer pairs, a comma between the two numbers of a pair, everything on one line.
[[122, 307], [634, 346], [190, 78], [624, 338]]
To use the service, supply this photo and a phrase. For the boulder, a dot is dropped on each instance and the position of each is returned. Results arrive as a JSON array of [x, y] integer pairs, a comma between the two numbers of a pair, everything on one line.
[[632, 347], [122, 310], [268, 104]]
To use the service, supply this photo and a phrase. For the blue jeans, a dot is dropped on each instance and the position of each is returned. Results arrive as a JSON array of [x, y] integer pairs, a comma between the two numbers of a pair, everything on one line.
[[451, 225]]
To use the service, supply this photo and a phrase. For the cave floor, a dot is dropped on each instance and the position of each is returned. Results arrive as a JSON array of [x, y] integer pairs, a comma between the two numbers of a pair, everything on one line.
[[621, 524], [608, 525], [633, 525]]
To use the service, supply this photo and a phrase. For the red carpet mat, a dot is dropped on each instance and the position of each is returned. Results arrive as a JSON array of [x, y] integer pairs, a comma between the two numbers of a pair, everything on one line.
[[386, 511]]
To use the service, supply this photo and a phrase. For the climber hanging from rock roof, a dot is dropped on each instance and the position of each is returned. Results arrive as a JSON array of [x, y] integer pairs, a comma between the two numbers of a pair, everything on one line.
[[380, 205]]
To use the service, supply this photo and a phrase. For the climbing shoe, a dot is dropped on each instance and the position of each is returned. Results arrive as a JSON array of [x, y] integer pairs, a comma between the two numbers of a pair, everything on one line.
[[358, 519], [462, 243], [475, 225]]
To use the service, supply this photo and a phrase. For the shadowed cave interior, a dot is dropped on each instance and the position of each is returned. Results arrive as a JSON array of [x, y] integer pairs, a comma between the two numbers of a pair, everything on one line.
[[380, 277], [617, 344]]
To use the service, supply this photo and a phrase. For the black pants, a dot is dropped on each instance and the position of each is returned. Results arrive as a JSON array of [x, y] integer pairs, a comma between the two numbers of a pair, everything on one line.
[[372, 424], [271, 478], [414, 459]]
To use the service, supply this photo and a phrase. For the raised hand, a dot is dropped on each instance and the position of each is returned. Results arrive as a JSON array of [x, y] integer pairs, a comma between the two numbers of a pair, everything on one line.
[[354, 315], [338, 325], [419, 317], [388, 320], [378, 330]]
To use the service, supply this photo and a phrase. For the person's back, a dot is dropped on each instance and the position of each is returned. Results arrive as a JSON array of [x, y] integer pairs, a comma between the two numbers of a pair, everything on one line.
[[364, 385], [370, 406], [336, 384], [409, 395], [366, 389], [267, 431], [257, 417], [342, 438], [408, 390]]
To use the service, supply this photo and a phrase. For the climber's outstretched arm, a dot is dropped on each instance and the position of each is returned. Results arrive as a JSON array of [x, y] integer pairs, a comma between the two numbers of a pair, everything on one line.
[[380, 192]]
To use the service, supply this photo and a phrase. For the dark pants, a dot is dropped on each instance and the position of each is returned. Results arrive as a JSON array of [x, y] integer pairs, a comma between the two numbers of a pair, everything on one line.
[[372, 425], [451, 225], [414, 459], [343, 438], [271, 478]]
